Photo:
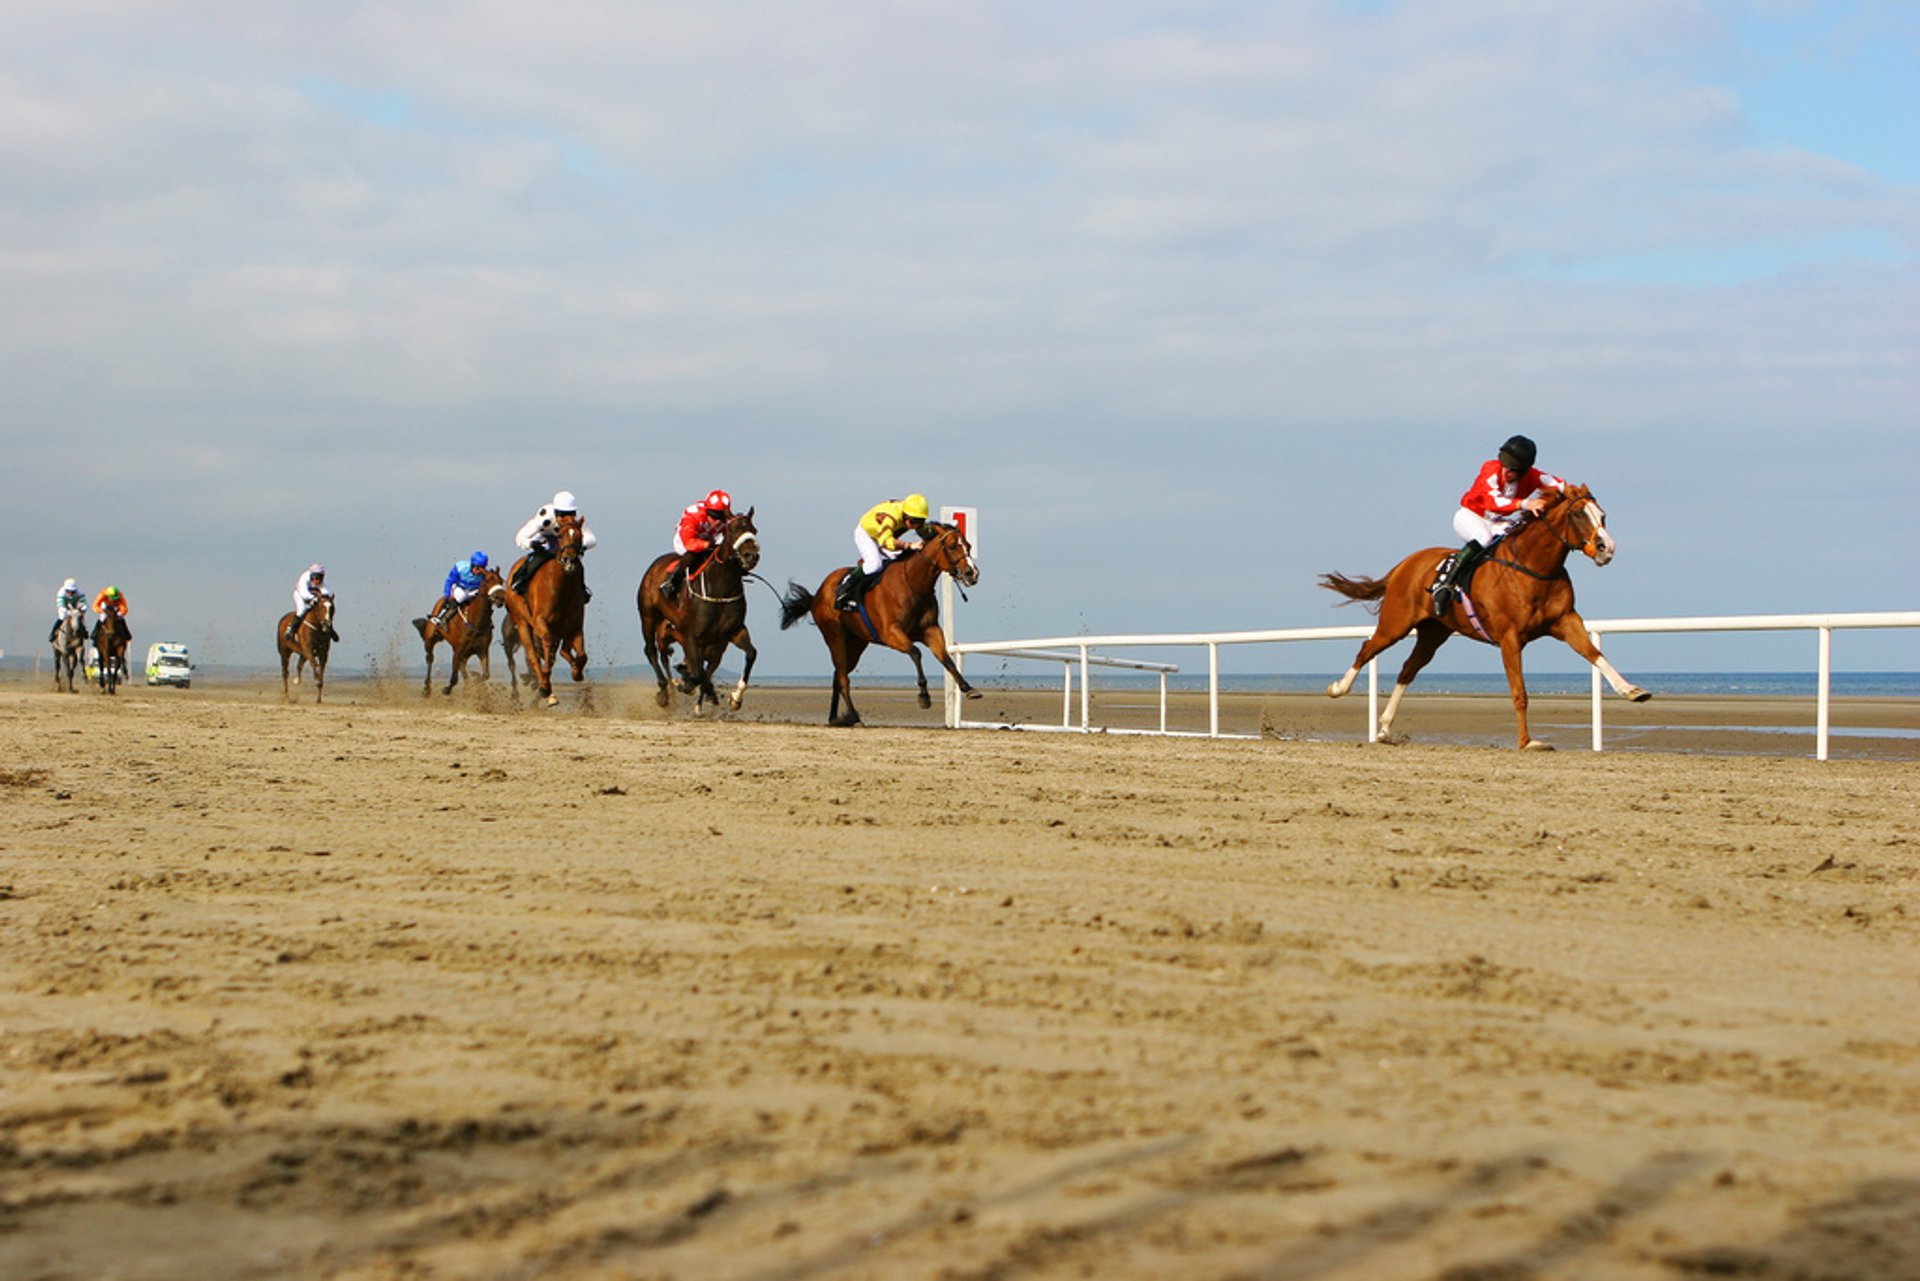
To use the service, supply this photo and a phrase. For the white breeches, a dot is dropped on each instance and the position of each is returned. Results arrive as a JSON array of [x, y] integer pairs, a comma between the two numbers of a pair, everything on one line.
[[1473, 527], [459, 595], [871, 554], [679, 544]]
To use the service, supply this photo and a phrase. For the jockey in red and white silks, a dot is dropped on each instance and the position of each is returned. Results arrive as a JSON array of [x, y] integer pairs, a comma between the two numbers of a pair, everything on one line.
[[1506, 487]]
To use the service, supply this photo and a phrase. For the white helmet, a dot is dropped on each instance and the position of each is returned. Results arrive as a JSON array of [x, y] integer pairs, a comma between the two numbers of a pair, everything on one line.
[[316, 570], [70, 586], [563, 502]]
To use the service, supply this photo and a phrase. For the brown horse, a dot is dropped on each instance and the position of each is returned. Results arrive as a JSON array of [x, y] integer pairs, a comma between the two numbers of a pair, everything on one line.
[[110, 640], [311, 643], [553, 612], [902, 609], [468, 632], [1520, 592], [708, 613]]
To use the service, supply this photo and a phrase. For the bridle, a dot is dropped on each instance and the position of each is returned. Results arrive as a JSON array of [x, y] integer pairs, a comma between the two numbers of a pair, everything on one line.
[[730, 549]]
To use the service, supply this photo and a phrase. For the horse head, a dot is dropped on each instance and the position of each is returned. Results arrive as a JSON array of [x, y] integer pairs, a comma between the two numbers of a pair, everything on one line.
[[567, 543], [743, 540], [1578, 521], [320, 616], [948, 549]]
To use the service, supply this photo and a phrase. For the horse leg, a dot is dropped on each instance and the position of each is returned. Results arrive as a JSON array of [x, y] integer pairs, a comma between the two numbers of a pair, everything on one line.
[[575, 649], [743, 643], [936, 640], [1572, 629], [1510, 647], [920, 677], [845, 650], [1388, 634], [655, 638], [1428, 637]]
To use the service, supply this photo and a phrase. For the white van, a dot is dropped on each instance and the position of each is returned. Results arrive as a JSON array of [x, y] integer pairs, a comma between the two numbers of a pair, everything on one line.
[[168, 664]]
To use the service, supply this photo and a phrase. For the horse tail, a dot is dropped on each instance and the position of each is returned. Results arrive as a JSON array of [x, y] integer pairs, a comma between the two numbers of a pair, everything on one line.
[[1367, 589], [795, 605], [420, 625]]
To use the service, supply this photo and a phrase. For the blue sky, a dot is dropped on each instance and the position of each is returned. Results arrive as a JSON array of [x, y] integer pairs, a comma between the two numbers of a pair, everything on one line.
[[1190, 298]]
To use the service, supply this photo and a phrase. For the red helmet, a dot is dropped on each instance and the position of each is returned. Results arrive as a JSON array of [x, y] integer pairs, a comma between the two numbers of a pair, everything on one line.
[[719, 501]]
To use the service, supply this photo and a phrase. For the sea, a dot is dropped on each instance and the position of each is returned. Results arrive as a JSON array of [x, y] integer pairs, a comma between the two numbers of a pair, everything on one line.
[[1744, 684]]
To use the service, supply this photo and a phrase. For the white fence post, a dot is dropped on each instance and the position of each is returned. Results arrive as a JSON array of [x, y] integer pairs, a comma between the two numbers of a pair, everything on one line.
[[1820, 716], [1213, 689], [1594, 673]]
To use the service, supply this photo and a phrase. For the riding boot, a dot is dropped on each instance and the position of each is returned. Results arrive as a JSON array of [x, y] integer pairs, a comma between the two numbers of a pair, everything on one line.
[[1463, 560], [851, 589], [54, 630]]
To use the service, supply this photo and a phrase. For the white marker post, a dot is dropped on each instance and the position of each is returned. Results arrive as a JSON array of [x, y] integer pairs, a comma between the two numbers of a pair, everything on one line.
[[967, 521]]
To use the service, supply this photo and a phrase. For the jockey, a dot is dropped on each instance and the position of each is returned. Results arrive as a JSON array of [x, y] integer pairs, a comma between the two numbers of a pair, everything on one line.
[[308, 588], [536, 537], [70, 597], [464, 582], [1507, 488], [702, 526], [876, 538]]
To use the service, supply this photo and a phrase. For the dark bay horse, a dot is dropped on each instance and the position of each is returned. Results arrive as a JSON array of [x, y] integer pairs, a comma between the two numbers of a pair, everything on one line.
[[552, 614], [1519, 592], [468, 632], [903, 610], [312, 642], [707, 614], [110, 640], [69, 650]]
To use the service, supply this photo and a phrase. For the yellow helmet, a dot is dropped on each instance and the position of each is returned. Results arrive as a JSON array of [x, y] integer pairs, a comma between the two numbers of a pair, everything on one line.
[[915, 506]]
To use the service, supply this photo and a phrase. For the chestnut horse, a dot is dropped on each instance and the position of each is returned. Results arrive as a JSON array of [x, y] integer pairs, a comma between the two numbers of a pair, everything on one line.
[[553, 612], [468, 633], [708, 613], [312, 641], [901, 608], [69, 649], [1520, 591], [110, 638]]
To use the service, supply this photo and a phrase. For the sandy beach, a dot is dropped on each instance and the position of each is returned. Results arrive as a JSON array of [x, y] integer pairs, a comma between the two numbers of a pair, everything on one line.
[[395, 987]]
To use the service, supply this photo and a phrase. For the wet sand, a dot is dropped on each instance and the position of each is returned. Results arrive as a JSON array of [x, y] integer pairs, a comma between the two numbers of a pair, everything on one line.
[[396, 987]]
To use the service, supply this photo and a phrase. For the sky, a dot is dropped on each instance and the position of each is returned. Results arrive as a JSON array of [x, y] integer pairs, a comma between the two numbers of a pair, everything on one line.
[[1192, 301]]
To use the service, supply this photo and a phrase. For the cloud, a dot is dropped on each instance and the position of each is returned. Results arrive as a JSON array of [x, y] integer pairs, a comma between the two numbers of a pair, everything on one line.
[[404, 268]]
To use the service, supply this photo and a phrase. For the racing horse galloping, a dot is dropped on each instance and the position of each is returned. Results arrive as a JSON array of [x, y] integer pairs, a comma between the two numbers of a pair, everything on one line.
[[709, 614], [69, 647], [468, 633], [311, 643], [110, 638], [1519, 592], [901, 609], [553, 612]]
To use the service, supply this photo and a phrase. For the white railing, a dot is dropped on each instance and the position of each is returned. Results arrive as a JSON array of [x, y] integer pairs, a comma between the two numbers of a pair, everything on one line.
[[1079, 650], [1824, 624]]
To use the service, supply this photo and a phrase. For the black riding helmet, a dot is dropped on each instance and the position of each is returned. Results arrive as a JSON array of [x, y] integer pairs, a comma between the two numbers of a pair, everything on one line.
[[1518, 453]]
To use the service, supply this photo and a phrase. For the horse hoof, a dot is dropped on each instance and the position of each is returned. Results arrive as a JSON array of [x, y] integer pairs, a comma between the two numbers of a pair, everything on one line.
[[733, 702], [553, 700], [663, 699], [925, 699], [1535, 745], [971, 693], [1638, 695], [1334, 690]]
